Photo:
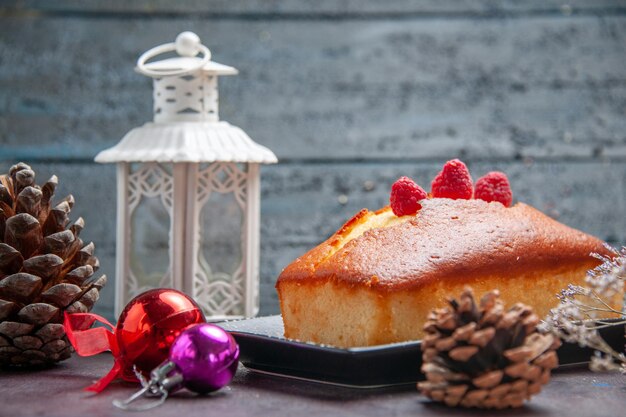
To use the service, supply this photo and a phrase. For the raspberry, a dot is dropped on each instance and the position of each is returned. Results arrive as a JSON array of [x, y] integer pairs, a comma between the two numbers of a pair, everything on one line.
[[454, 181], [494, 186], [405, 196]]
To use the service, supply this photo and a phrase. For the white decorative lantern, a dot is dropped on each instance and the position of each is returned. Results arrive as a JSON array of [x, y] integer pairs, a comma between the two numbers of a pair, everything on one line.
[[188, 191]]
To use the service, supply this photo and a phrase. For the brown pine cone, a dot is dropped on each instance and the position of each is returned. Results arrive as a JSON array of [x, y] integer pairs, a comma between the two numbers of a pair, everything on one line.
[[45, 269], [484, 356]]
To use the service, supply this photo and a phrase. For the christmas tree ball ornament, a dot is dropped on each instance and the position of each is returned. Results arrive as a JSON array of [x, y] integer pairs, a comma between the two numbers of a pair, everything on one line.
[[45, 270], [203, 359], [485, 356], [149, 325], [146, 329], [206, 355]]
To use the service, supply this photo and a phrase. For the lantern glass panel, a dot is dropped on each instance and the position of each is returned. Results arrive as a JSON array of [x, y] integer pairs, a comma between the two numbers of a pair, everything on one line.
[[150, 207], [221, 222], [219, 280]]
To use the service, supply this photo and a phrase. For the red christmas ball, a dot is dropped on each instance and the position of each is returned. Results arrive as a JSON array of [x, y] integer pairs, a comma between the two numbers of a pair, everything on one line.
[[148, 326]]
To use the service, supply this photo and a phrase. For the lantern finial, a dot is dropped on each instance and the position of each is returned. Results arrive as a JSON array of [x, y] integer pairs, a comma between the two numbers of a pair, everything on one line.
[[187, 44], [186, 90]]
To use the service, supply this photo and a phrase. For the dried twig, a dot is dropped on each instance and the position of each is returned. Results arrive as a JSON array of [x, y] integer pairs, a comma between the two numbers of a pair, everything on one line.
[[583, 310]]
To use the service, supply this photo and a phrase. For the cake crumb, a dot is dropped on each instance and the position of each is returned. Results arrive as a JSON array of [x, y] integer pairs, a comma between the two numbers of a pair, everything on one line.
[[372, 281]]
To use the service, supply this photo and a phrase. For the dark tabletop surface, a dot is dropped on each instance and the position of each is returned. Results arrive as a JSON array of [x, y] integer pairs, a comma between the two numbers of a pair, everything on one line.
[[57, 391]]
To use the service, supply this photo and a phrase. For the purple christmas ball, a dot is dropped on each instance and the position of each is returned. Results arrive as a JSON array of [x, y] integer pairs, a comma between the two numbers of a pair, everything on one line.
[[207, 357]]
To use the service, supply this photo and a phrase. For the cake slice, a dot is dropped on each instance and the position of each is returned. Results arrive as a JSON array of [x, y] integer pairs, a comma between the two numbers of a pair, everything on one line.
[[375, 280]]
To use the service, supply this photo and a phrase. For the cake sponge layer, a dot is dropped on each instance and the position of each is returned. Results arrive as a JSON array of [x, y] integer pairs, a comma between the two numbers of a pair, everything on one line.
[[347, 316]]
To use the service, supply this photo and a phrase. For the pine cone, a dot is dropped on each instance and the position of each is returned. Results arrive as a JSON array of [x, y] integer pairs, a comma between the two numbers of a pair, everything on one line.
[[44, 270], [484, 356]]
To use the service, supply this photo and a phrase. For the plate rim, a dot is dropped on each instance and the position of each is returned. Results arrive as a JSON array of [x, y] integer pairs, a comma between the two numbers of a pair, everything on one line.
[[300, 343], [261, 342]]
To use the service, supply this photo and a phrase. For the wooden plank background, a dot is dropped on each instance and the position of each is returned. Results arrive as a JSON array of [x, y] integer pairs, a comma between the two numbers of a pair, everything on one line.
[[349, 95]]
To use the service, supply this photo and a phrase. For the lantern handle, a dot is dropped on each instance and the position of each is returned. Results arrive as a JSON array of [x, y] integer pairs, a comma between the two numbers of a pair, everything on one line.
[[187, 44]]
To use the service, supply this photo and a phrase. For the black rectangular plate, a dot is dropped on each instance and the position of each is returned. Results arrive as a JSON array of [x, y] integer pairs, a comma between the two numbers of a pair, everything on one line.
[[264, 349]]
